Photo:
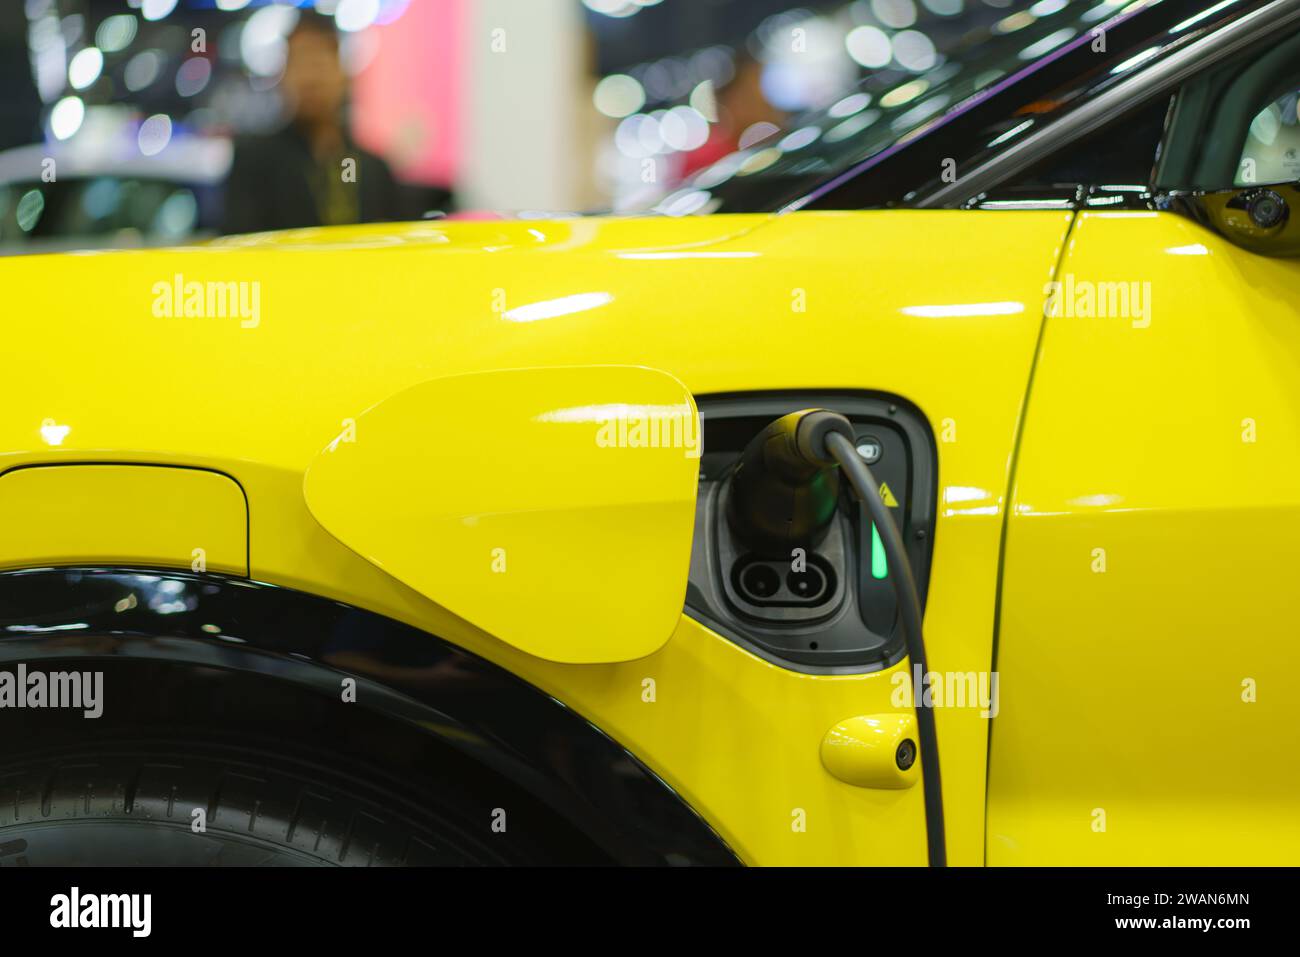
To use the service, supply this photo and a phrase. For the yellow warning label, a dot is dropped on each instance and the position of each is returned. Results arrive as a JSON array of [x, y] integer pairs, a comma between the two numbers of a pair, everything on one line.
[[887, 496]]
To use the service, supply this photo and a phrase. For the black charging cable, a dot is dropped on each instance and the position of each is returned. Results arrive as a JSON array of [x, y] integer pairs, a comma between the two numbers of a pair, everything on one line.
[[785, 490], [843, 451]]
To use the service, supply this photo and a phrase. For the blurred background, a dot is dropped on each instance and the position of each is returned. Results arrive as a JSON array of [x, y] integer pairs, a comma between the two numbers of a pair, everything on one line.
[[137, 122]]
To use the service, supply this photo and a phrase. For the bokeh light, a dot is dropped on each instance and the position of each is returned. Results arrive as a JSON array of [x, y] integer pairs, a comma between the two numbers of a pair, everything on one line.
[[155, 134], [156, 9], [85, 67], [116, 32], [619, 95], [66, 117]]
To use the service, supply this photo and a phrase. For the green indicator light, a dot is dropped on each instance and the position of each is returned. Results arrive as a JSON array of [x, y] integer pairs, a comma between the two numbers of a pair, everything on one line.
[[879, 567]]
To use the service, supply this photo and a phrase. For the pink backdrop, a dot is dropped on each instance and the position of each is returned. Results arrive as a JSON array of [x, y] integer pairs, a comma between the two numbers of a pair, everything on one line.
[[406, 102]]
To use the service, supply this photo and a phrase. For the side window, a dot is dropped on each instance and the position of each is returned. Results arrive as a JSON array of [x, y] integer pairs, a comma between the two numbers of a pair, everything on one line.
[[1237, 124], [1121, 153], [1120, 158], [1271, 153]]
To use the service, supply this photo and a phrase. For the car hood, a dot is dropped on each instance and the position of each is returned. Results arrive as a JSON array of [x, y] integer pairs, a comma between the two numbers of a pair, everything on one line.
[[256, 347], [128, 355]]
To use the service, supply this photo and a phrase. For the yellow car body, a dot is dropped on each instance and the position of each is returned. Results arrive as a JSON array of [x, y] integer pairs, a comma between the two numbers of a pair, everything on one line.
[[1106, 371], [1121, 690]]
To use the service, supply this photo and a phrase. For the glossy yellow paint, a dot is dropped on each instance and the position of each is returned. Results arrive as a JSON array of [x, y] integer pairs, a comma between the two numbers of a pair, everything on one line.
[[543, 484], [1148, 641], [349, 317], [863, 750], [123, 514]]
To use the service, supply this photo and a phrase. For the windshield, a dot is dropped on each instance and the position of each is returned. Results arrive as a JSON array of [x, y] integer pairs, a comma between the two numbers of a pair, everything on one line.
[[887, 107]]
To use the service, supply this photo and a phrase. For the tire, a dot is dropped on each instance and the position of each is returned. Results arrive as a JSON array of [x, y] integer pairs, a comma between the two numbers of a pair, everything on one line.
[[134, 804]]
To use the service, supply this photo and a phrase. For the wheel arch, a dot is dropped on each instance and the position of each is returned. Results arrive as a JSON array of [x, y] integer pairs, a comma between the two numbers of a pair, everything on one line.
[[297, 656]]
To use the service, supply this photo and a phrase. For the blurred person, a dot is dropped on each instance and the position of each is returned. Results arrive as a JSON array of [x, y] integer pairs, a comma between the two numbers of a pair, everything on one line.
[[300, 175]]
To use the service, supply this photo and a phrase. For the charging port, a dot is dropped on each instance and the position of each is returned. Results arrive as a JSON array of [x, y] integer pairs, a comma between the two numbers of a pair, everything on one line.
[[772, 584], [801, 581]]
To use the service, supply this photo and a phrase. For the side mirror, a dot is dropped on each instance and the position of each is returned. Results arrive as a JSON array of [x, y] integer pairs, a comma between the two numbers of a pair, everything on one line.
[[552, 508], [1262, 219]]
